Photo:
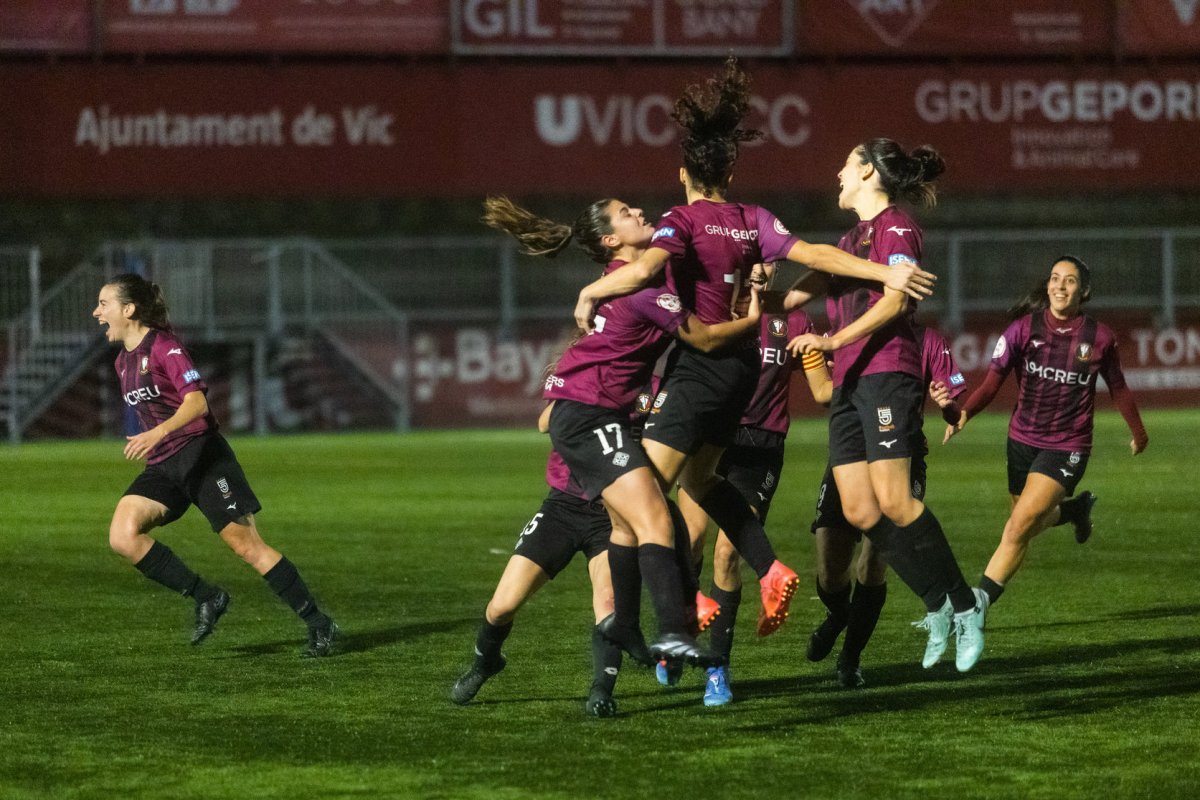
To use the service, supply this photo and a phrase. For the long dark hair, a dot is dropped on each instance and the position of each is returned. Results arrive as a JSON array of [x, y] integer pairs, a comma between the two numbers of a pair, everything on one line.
[[150, 307], [538, 236], [908, 176], [1037, 298], [711, 115]]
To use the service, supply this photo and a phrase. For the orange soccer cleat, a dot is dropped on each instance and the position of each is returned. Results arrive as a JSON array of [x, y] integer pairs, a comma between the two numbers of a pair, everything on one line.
[[707, 610], [778, 586]]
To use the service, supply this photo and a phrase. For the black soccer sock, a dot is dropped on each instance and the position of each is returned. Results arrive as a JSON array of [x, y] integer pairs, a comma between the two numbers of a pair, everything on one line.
[[161, 565], [921, 557], [627, 585], [722, 627], [285, 581], [992, 589], [488, 642], [837, 601], [1071, 510], [683, 554], [734, 516], [865, 608], [606, 662], [660, 570]]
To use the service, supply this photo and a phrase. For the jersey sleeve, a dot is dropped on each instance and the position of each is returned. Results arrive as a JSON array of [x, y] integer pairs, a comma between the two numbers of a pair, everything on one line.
[[1009, 346], [774, 239], [660, 308], [176, 365], [673, 233], [940, 366], [896, 244], [1110, 363]]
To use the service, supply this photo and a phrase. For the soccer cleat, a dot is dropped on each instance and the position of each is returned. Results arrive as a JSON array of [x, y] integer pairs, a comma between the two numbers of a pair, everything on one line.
[[1083, 528], [716, 688], [321, 639], [207, 614], [668, 673], [600, 703], [682, 648], [821, 642], [938, 625], [707, 610], [849, 673], [468, 684], [968, 633], [630, 640], [778, 586]]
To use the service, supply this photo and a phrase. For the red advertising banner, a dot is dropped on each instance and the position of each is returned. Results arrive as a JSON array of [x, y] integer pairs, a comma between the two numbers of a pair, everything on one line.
[[1159, 27], [222, 130], [621, 27], [309, 26], [46, 26], [856, 28]]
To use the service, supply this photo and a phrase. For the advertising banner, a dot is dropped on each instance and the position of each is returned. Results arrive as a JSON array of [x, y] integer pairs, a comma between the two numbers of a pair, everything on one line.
[[45, 26], [856, 28], [621, 27], [294, 130], [1159, 27], [275, 26]]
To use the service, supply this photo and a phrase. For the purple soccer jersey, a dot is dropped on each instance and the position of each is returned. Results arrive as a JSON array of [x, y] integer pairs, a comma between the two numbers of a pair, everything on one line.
[[768, 409], [938, 363], [713, 247], [610, 366], [1056, 363], [890, 238], [155, 376]]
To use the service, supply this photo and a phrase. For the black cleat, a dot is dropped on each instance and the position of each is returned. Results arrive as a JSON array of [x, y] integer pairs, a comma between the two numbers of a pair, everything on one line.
[[682, 647], [207, 614], [600, 703], [468, 684], [321, 639], [1083, 528], [849, 674], [821, 642], [630, 640]]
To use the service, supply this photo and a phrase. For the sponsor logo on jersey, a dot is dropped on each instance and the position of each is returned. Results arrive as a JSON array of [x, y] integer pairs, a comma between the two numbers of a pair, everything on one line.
[[1084, 353], [779, 328], [1036, 343], [553, 382], [190, 376], [175, 351], [1058, 375], [736, 234], [901, 258], [669, 302], [141, 395], [670, 232], [957, 379], [899, 231]]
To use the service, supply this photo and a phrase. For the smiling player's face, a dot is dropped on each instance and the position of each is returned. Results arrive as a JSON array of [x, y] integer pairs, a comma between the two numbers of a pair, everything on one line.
[[1064, 290]]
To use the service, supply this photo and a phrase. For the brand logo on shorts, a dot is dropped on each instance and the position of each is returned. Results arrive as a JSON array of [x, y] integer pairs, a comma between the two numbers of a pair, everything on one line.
[[769, 481], [1073, 459], [885, 415], [658, 402], [1065, 473], [231, 507], [621, 459], [888, 444], [223, 485]]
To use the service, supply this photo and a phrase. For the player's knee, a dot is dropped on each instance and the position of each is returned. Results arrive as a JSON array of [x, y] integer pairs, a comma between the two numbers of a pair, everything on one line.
[[864, 516], [501, 611], [726, 562], [123, 535]]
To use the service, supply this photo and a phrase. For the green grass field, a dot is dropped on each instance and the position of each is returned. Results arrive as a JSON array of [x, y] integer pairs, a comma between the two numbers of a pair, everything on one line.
[[1090, 684]]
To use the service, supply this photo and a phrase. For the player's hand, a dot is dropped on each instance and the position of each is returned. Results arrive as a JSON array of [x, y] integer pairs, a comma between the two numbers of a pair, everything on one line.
[[585, 312], [912, 280], [951, 430], [138, 447], [808, 343], [1137, 447], [940, 393], [754, 310]]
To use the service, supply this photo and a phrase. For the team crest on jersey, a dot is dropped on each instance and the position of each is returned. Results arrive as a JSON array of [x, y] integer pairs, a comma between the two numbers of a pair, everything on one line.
[[779, 327], [145, 368], [1084, 353], [223, 485], [885, 418], [669, 302], [1073, 459], [643, 403]]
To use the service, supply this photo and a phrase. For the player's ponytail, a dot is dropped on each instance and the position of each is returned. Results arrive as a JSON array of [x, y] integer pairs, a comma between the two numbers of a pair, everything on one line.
[[538, 236], [711, 116], [907, 176], [150, 306]]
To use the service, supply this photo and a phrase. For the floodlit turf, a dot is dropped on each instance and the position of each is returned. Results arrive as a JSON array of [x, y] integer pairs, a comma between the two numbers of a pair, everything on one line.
[[1089, 686]]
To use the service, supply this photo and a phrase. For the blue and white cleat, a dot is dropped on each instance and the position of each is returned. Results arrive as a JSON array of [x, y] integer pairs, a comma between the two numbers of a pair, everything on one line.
[[938, 624], [968, 633], [668, 673], [716, 688]]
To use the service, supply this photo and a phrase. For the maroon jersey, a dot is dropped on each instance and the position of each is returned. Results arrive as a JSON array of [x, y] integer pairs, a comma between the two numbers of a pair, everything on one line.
[[610, 366], [155, 376], [938, 364], [768, 409], [713, 247], [890, 238], [1056, 362]]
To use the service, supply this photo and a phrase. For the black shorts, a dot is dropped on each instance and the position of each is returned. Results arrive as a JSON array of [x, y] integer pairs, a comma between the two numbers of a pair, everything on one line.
[[876, 417], [829, 499], [204, 473], [703, 397], [1065, 466], [753, 466], [564, 526], [596, 443]]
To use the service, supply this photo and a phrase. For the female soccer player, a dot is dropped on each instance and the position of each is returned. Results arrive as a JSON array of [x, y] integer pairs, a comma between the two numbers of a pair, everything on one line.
[[875, 416], [1057, 352], [708, 247], [188, 462], [858, 613]]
